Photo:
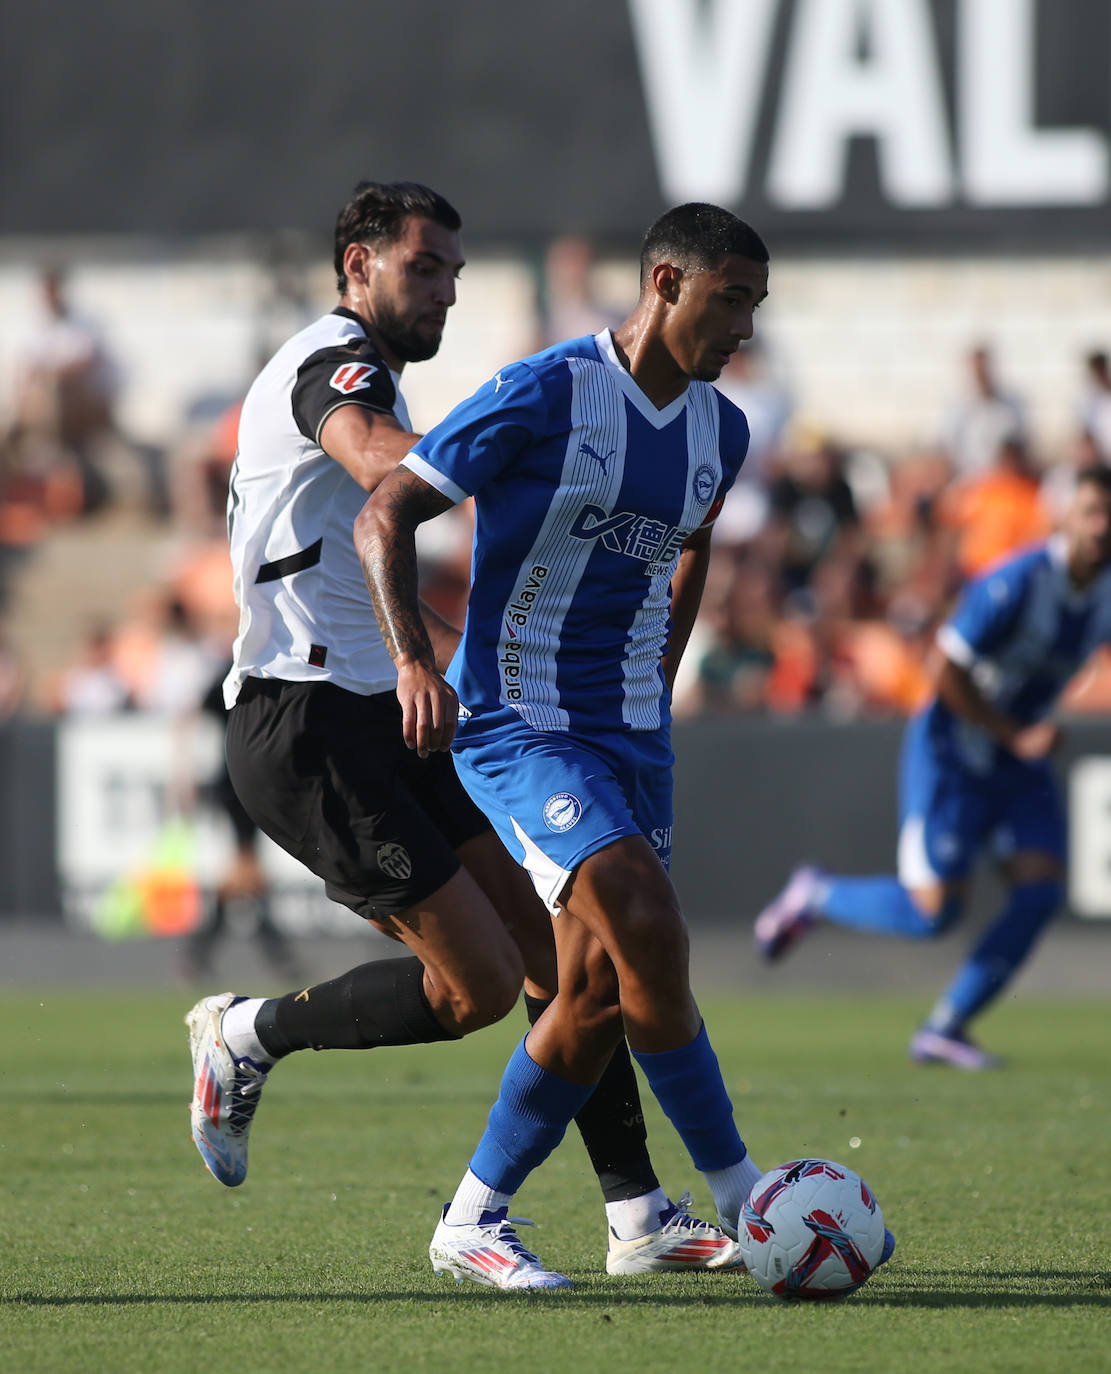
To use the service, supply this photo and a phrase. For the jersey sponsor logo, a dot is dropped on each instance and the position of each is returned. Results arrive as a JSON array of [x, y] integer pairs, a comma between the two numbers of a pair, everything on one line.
[[659, 837], [352, 377], [516, 618], [500, 381], [394, 861], [601, 460], [637, 536], [561, 811]]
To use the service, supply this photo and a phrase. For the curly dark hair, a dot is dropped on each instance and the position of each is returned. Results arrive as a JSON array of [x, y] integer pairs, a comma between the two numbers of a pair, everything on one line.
[[377, 212]]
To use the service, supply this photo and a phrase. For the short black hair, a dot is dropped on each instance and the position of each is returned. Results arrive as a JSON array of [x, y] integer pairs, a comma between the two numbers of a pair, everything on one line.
[[1097, 476], [378, 210], [698, 235]]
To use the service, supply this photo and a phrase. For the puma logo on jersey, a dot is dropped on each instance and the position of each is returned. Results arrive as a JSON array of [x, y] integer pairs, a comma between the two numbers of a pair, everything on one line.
[[593, 453], [352, 377]]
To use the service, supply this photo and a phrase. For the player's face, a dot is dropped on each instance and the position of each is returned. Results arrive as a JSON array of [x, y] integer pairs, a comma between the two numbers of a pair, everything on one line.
[[411, 287], [713, 315], [1088, 530]]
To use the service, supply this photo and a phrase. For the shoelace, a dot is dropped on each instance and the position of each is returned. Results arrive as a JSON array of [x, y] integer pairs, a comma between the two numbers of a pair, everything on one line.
[[508, 1237], [246, 1087], [681, 1219]]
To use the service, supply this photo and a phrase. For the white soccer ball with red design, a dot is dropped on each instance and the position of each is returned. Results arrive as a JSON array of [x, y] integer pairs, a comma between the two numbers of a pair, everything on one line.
[[811, 1230]]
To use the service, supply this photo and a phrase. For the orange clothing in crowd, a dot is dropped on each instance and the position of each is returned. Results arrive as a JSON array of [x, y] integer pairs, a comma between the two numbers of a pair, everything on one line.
[[994, 515]]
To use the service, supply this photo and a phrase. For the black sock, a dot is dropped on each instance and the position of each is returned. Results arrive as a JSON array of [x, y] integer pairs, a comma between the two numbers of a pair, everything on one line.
[[380, 1003], [611, 1123]]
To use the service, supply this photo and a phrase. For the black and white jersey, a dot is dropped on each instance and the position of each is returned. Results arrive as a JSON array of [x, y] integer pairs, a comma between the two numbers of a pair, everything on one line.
[[304, 610]]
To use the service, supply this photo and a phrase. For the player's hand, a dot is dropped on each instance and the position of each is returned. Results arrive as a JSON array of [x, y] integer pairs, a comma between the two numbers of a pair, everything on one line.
[[1036, 741], [429, 709]]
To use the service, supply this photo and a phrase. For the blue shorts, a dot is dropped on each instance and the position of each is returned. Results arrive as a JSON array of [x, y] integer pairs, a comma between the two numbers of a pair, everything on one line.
[[557, 798], [948, 815]]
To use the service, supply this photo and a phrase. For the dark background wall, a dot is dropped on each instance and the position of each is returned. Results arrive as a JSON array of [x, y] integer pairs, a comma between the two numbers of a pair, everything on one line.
[[753, 799], [213, 117]]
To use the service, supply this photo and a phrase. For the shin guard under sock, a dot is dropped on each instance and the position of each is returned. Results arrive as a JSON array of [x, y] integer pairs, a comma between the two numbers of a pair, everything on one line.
[[611, 1123], [380, 1003]]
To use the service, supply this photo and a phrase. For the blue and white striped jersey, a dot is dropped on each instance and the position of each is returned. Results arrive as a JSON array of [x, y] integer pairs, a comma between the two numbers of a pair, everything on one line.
[[584, 494], [1022, 630]]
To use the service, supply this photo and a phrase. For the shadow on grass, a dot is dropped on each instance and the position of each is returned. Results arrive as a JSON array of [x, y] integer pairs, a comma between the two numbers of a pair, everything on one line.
[[983, 1290]]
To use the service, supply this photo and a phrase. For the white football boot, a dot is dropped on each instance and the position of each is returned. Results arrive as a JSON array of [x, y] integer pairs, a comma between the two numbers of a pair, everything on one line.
[[490, 1252], [680, 1243], [225, 1092]]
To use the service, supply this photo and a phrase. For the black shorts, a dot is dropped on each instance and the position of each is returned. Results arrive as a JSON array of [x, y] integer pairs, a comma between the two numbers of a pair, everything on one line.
[[326, 774]]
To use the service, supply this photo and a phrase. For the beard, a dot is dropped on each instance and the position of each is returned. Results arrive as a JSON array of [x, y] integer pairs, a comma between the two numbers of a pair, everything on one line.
[[405, 339]]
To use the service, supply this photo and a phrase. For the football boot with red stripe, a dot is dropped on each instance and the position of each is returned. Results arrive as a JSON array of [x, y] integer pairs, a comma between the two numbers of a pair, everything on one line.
[[225, 1092], [681, 1242], [490, 1252]]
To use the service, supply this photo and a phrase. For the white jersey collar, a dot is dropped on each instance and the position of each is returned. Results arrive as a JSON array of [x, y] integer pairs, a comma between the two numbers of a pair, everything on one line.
[[658, 419]]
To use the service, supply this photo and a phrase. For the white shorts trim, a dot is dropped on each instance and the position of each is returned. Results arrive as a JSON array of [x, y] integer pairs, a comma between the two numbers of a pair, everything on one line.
[[913, 861], [547, 876]]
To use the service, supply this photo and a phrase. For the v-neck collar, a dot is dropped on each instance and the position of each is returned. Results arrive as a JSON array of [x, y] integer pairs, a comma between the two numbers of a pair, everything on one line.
[[1076, 597], [658, 419]]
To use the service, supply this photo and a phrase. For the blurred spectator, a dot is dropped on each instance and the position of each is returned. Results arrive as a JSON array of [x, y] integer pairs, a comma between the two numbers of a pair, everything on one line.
[[183, 664], [995, 512], [734, 654], [749, 382], [984, 417], [67, 385], [200, 471], [201, 579], [1095, 406], [65, 431], [568, 305], [813, 511], [93, 685]]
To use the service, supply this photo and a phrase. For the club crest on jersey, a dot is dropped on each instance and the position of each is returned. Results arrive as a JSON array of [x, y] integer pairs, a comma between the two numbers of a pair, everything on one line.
[[704, 483], [352, 377], [394, 861], [561, 811]]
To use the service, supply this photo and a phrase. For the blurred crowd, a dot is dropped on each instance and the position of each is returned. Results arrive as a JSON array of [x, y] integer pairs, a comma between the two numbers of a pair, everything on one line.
[[834, 563]]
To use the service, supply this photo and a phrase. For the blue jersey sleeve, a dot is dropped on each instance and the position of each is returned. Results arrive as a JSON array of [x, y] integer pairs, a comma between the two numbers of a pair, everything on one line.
[[734, 440], [986, 613], [732, 448], [483, 434]]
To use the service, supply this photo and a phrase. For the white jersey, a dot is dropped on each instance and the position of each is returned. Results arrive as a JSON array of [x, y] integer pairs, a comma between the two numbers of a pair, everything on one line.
[[305, 614]]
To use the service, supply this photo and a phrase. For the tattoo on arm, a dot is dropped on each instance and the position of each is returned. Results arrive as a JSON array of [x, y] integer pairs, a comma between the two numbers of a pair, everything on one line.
[[385, 535]]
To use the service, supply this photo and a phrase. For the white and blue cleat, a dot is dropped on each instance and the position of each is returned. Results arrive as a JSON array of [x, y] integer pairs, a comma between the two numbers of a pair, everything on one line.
[[490, 1252], [226, 1092]]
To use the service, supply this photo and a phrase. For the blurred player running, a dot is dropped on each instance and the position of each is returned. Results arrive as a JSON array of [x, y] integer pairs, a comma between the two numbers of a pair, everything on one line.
[[315, 747], [975, 774], [597, 467]]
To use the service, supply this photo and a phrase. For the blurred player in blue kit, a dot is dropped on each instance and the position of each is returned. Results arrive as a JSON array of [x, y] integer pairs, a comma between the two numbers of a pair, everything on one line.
[[597, 467], [975, 775]]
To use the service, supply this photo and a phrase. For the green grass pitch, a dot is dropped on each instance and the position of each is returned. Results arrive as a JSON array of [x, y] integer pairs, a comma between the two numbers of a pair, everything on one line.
[[119, 1253]]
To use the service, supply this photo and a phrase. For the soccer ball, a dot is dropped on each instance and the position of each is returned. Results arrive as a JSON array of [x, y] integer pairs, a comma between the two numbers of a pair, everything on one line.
[[811, 1230]]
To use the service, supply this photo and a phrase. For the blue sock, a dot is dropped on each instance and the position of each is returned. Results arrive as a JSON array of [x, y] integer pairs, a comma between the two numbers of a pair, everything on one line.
[[688, 1086], [527, 1122], [998, 956], [881, 905]]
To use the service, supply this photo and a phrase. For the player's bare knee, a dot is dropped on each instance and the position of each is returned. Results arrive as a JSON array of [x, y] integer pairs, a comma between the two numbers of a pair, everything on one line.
[[491, 997], [939, 905]]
